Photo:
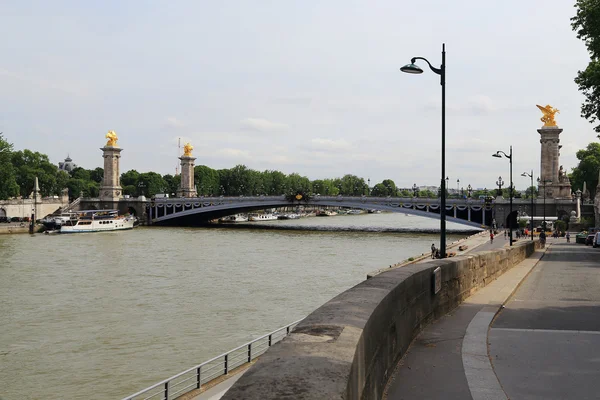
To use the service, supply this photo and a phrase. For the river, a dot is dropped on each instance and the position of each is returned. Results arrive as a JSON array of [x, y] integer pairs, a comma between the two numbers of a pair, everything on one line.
[[100, 316]]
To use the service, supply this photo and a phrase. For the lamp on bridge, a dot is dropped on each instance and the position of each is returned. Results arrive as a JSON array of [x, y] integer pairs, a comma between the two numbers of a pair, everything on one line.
[[415, 189], [141, 187], [499, 182], [457, 186], [469, 191], [544, 182], [368, 186], [510, 190], [415, 69], [532, 209]]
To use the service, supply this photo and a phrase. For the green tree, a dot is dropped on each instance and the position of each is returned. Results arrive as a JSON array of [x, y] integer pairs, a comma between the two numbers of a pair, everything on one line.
[[97, 174], [586, 23], [379, 190], [8, 183], [130, 178], [390, 187], [29, 165], [153, 182], [587, 169], [173, 183], [297, 183], [207, 180], [62, 180]]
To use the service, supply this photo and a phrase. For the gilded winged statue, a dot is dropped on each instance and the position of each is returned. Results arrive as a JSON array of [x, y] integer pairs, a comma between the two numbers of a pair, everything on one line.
[[548, 111], [112, 138], [187, 150]]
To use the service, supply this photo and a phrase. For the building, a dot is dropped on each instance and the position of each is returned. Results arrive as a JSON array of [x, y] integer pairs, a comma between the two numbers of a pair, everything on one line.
[[68, 165]]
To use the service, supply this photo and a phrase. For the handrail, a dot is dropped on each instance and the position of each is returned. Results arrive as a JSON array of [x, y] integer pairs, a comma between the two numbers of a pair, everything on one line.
[[226, 366]]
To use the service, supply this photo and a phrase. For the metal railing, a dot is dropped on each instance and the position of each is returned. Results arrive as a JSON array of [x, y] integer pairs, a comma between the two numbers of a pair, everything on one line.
[[193, 378]]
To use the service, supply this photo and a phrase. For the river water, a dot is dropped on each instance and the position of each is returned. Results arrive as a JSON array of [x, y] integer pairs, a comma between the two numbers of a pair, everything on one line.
[[100, 316]]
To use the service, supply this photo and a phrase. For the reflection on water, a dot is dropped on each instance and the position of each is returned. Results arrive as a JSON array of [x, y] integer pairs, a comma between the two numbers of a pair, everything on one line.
[[97, 316]]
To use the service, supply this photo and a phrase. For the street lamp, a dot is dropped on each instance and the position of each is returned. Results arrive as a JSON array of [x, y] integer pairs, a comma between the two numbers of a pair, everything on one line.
[[469, 190], [499, 182], [368, 186], [532, 212], [414, 69], [510, 190], [415, 189], [544, 183], [457, 187]]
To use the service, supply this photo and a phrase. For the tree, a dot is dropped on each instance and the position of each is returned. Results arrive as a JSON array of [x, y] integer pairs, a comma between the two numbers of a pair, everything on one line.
[[154, 183], [206, 179], [379, 190], [390, 187], [8, 182], [97, 174], [587, 169], [586, 23], [130, 178], [173, 183], [29, 165]]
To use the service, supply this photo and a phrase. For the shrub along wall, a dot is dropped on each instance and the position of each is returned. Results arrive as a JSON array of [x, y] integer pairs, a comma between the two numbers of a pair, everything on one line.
[[347, 348]]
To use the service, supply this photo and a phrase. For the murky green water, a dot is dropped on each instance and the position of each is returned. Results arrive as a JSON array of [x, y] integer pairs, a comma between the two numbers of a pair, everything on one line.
[[100, 316]]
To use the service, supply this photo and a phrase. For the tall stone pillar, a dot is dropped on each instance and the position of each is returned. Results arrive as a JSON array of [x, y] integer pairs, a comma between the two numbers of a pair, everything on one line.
[[111, 190], [550, 168], [187, 189]]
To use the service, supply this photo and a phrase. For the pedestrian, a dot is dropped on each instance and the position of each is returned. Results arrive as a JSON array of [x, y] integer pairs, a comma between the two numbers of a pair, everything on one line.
[[491, 237], [505, 234], [568, 237], [432, 250]]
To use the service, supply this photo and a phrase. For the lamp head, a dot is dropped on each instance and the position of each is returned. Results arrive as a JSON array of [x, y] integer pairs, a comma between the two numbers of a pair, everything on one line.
[[411, 68], [497, 155]]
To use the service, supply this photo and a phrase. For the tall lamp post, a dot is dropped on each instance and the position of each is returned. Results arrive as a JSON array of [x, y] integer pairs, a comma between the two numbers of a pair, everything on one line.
[[415, 189], [532, 212], [457, 188], [510, 190], [368, 186], [469, 191], [415, 69], [544, 183]]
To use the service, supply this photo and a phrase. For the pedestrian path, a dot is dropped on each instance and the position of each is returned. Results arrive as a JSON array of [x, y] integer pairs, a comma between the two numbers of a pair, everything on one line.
[[449, 359]]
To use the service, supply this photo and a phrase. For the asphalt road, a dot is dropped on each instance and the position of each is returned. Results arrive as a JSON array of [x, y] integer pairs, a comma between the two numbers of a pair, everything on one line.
[[546, 343]]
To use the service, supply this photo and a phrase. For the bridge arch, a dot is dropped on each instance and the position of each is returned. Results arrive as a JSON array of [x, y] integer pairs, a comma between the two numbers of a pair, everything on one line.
[[196, 211]]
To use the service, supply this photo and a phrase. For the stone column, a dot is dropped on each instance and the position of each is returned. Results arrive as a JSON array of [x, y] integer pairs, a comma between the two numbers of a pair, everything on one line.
[[187, 188], [578, 194], [111, 185], [549, 138]]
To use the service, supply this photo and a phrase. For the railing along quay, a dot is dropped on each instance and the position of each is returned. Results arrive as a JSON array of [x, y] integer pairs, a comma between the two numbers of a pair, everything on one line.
[[193, 378]]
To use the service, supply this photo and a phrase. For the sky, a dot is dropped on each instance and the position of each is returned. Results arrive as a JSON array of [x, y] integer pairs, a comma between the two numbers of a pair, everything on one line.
[[311, 87]]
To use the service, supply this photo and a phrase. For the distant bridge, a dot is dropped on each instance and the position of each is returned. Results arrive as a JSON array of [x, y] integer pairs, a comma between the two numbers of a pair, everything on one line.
[[195, 211]]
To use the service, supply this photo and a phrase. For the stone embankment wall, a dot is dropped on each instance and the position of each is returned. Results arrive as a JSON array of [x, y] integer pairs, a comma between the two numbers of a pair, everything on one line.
[[23, 207], [348, 348]]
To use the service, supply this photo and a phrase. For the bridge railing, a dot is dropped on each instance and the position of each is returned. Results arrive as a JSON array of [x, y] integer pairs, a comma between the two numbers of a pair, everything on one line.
[[201, 374]]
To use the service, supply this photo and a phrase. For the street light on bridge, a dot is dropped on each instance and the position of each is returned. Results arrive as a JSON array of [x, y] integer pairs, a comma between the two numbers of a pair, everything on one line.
[[415, 69], [532, 212], [510, 190], [469, 191], [499, 182], [415, 189]]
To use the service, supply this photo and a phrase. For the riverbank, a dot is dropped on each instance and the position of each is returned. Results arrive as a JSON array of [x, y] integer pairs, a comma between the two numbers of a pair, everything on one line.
[[10, 229]]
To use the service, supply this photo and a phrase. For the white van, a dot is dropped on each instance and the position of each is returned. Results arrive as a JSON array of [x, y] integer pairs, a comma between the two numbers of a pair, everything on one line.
[[161, 196]]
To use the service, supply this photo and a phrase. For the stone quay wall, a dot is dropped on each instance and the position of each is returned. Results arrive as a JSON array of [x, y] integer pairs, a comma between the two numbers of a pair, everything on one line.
[[23, 207], [348, 348]]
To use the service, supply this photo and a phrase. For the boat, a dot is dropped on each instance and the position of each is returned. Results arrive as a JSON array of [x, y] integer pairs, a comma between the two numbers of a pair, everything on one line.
[[354, 212], [288, 216], [97, 221], [262, 217], [234, 218], [326, 213], [54, 222], [374, 211]]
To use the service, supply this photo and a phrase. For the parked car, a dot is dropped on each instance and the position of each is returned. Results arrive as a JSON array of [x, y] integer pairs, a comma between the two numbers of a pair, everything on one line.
[[590, 239], [596, 239], [580, 237]]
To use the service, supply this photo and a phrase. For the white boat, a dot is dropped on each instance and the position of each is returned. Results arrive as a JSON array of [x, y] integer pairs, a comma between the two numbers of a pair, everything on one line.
[[262, 217], [97, 221], [289, 216], [326, 213], [354, 212], [234, 218]]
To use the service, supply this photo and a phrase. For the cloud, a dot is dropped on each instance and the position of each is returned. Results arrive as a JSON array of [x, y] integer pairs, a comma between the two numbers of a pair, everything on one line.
[[233, 153], [328, 145], [174, 122], [71, 88], [474, 106], [263, 125]]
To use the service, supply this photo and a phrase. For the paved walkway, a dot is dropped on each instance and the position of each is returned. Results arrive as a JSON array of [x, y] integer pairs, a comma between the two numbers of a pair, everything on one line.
[[544, 344], [448, 360]]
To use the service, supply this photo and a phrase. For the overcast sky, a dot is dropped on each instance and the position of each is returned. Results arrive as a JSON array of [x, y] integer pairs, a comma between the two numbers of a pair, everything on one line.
[[312, 87]]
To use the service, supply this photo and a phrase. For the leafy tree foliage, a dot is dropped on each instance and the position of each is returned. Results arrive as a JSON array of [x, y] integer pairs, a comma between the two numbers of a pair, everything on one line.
[[587, 169], [586, 23], [8, 182]]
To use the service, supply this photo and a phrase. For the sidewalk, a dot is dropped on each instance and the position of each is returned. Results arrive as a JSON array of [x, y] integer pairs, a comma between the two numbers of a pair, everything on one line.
[[449, 359]]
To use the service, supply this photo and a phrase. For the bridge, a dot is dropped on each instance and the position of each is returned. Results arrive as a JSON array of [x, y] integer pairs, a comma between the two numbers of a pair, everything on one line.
[[195, 211]]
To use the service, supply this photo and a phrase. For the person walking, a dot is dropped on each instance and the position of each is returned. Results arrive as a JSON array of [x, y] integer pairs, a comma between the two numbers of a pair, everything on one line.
[[491, 236], [568, 236], [432, 250]]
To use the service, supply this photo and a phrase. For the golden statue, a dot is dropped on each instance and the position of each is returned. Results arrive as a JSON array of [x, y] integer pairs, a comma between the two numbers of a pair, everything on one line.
[[112, 139], [187, 150], [548, 118]]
